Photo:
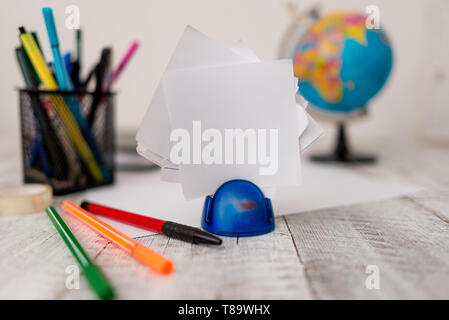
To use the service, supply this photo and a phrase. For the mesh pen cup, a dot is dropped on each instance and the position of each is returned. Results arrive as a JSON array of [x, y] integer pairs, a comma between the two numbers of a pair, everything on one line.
[[67, 139]]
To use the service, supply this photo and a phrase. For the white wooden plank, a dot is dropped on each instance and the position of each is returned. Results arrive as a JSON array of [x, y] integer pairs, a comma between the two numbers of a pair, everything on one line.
[[409, 244], [33, 257], [264, 267], [406, 238]]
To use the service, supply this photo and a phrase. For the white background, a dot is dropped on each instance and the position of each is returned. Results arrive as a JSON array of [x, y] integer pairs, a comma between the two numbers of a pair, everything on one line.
[[418, 30]]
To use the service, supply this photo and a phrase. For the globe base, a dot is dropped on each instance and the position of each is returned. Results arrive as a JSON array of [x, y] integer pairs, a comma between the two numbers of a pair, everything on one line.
[[347, 159], [342, 152]]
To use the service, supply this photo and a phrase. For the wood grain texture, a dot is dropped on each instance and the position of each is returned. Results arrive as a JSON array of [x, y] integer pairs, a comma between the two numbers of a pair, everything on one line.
[[240, 268], [265, 267], [34, 258], [312, 255], [404, 239]]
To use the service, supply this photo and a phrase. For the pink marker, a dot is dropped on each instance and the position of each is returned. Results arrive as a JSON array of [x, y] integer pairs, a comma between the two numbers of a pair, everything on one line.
[[132, 49]]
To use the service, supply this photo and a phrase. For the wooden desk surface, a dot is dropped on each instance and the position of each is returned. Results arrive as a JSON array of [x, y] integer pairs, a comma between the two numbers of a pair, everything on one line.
[[313, 255]]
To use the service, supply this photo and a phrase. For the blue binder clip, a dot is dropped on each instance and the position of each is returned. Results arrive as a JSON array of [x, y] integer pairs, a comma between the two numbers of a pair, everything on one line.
[[238, 208]]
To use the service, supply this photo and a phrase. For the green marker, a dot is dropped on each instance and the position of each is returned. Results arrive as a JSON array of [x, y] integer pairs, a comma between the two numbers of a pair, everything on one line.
[[94, 276]]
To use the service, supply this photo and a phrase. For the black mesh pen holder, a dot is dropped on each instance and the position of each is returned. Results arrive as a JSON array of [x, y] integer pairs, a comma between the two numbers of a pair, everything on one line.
[[67, 139]]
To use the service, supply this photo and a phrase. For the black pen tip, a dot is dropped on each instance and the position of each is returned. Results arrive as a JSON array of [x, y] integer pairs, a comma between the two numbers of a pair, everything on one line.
[[206, 238], [189, 234], [85, 205], [22, 29]]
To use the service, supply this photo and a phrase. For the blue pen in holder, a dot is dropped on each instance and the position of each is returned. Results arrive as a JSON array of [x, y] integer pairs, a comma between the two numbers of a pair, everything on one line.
[[238, 208]]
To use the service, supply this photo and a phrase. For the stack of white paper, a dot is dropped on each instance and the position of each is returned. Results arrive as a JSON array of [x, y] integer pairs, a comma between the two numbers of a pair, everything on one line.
[[220, 114]]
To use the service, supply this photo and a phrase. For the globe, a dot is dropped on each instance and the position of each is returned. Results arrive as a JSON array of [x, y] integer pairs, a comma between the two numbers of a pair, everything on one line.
[[340, 63]]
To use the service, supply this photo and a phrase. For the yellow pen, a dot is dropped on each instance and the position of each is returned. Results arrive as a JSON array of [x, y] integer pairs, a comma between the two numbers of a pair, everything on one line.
[[67, 118]]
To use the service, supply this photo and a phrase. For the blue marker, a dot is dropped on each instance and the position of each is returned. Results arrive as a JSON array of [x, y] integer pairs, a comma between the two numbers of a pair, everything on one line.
[[65, 83], [68, 63], [62, 75], [38, 152]]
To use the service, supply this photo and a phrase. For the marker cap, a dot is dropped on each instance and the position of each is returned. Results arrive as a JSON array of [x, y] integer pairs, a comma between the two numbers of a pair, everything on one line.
[[153, 259]]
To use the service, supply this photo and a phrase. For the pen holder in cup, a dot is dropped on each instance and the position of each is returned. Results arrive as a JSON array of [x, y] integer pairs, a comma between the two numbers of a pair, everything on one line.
[[62, 144]]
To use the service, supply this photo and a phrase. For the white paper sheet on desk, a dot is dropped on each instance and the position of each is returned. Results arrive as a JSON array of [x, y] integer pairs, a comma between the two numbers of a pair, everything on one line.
[[244, 96], [325, 186]]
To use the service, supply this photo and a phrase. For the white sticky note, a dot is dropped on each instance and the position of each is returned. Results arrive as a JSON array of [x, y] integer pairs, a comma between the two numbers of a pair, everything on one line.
[[194, 49], [301, 100], [303, 119], [310, 134], [153, 157], [242, 49], [170, 172], [246, 96]]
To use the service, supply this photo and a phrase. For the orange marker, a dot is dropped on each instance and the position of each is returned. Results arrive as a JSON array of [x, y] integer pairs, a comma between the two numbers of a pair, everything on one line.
[[127, 244]]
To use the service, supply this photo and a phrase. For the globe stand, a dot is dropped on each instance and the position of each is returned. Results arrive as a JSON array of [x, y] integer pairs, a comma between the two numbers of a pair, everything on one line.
[[342, 153]]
